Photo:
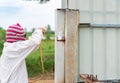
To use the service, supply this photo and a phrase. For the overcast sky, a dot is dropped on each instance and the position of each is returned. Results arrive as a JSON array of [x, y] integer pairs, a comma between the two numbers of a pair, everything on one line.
[[28, 13]]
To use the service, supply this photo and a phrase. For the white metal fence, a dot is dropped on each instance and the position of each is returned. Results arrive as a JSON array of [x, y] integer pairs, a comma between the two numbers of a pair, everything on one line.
[[99, 51], [96, 11]]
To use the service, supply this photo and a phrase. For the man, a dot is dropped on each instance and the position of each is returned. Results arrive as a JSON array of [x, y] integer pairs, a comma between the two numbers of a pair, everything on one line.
[[16, 49]]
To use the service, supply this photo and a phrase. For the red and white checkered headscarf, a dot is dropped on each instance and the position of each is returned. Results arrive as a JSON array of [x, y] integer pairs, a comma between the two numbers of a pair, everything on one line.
[[15, 33]]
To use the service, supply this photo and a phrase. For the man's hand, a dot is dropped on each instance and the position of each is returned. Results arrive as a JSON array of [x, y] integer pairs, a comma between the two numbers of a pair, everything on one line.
[[43, 29]]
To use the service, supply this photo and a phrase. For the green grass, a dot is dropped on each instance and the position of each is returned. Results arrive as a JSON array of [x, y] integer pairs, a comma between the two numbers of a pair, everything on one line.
[[34, 63]]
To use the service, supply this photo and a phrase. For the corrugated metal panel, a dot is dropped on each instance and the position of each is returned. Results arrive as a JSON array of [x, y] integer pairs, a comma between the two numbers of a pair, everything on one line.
[[99, 51], [99, 11], [71, 4], [96, 11]]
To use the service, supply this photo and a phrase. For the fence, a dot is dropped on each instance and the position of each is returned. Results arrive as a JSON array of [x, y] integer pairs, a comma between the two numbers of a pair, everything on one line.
[[99, 50]]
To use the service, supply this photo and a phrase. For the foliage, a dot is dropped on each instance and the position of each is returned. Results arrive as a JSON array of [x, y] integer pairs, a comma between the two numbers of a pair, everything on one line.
[[34, 62], [2, 34], [48, 32], [40, 1], [33, 29], [2, 39], [43, 1]]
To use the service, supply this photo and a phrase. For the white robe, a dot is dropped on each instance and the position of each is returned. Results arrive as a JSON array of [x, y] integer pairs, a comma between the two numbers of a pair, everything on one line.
[[12, 61]]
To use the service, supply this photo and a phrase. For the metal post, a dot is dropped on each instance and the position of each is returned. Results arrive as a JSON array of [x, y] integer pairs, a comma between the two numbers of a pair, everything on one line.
[[59, 46], [67, 4], [65, 48], [71, 29]]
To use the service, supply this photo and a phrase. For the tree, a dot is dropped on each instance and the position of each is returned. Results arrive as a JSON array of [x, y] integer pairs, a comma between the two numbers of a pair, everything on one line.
[[33, 29], [43, 1], [40, 1], [48, 29], [48, 32]]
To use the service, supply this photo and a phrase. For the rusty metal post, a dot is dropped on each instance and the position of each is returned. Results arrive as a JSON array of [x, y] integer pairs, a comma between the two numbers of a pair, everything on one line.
[[71, 29]]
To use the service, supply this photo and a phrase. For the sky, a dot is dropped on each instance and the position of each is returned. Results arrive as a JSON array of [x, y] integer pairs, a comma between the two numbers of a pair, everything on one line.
[[29, 14]]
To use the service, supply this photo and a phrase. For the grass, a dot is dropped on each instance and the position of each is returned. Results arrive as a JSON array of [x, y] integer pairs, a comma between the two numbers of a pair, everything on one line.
[[33, 61]]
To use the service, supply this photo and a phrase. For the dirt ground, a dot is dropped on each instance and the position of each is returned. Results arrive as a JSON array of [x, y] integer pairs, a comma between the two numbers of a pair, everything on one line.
[[47, 78], [43, 81]]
